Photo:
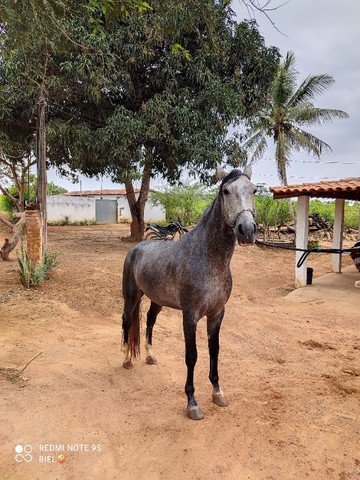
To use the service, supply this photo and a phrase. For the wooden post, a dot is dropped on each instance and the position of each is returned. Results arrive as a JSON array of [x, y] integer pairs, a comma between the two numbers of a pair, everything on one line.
[[41, 170], [338, 234], [302, 234]]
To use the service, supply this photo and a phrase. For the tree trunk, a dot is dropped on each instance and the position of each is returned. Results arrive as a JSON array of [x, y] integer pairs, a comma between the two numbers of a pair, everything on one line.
[[17, 230], [41, 169], [137, 206]]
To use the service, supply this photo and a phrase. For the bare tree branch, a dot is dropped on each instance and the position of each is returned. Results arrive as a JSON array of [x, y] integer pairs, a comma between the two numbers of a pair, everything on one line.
[[254, 6]]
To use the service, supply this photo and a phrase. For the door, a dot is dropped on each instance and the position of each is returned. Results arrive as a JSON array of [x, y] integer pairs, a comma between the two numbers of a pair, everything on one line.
[[106, 211]]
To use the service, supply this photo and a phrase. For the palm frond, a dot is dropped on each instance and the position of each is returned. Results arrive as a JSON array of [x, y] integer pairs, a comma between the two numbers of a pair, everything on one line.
[[300, 139], [256, 144], [312, 86], [307, 114]]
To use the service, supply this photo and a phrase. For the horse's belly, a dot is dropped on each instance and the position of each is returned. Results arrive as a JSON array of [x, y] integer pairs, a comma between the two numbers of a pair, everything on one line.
[[164, 294]]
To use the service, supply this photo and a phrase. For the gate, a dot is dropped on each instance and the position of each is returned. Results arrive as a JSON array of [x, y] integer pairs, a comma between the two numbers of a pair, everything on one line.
[[106, 211]]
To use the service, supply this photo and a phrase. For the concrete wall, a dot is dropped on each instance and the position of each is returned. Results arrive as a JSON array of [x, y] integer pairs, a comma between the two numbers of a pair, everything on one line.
[[83, 208], [77, 208], [151, 214]]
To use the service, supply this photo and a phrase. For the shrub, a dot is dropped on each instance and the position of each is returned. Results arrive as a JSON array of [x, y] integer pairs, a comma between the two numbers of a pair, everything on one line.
[[33, 275], [187, 202]]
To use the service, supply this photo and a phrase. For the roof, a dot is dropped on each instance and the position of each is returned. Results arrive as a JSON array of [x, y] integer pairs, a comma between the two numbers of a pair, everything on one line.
[[99, 193], [347, 188]]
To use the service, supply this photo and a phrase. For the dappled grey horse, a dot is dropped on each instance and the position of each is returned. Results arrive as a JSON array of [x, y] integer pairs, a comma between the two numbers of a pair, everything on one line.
[[192, 275]]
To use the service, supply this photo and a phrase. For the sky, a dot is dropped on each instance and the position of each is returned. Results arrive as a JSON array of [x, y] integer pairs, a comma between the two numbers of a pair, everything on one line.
[[325, 38]]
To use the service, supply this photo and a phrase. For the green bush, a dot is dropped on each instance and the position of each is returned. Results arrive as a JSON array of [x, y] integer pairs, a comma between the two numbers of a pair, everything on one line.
[[270, 212], [187, 202], [32, 276], [327, 211]]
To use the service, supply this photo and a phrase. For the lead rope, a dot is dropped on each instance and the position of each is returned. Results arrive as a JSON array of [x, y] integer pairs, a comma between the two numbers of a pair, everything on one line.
[[306, 252]]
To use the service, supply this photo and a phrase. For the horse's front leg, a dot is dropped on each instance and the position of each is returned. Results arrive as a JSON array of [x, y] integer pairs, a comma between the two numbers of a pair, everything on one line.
[[189, 324], [213, 330]]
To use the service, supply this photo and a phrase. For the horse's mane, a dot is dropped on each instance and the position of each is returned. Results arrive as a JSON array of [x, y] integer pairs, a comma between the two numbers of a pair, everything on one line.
[[231, 177]]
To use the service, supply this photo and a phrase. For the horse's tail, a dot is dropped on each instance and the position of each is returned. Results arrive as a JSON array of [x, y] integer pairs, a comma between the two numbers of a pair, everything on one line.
[[131, 332], [131, 316]]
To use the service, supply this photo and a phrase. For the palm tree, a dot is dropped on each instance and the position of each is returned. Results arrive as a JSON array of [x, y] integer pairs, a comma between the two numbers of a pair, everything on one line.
[[290, 108]]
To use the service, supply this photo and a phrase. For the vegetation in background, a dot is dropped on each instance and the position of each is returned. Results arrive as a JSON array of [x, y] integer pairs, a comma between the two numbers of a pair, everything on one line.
[[184, 202], [132, 92], [188, 202], [327, 209], [7, 204], [66, 220]]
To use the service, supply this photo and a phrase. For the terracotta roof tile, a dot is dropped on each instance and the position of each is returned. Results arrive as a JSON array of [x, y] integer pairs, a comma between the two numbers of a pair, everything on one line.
[[93, 193], [347, 188]]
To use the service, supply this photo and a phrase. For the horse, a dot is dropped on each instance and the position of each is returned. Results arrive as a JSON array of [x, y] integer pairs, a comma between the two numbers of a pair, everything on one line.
[[193, 275]]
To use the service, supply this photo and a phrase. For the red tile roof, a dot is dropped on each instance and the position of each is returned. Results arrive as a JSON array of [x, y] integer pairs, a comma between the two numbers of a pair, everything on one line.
[[97, 193], [347, 188]]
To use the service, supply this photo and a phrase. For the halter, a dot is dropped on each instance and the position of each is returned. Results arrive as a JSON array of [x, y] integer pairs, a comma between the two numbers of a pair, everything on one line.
[[242, 211]]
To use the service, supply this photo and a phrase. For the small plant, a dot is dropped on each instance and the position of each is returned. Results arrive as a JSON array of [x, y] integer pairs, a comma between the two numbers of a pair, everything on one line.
[[313, 244], [33, 275]]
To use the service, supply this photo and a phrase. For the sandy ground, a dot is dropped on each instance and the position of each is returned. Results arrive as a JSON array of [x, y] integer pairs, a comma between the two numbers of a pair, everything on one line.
[[290, 371]]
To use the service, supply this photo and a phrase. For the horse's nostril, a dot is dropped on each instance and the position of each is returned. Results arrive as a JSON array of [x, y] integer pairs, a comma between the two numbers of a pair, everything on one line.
[[241, 231]]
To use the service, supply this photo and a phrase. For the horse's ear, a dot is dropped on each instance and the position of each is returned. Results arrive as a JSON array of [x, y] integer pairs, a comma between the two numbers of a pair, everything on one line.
[[220, 172], [248, 171]]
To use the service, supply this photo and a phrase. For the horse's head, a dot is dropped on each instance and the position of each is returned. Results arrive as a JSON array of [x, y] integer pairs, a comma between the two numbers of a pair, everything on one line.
[[237, 195]]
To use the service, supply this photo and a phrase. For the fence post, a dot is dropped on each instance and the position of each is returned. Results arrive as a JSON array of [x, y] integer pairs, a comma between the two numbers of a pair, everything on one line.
[[302, 235], [338, 234]]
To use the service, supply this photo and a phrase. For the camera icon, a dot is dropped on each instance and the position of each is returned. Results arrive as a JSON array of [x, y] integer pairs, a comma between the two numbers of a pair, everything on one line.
[[23, 453]]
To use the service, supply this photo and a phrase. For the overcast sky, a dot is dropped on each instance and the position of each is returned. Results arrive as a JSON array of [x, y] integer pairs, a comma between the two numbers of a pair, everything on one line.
[[325, 37]]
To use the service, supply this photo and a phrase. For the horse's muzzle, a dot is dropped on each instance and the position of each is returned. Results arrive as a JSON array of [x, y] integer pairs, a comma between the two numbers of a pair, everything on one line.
[[245, 230]]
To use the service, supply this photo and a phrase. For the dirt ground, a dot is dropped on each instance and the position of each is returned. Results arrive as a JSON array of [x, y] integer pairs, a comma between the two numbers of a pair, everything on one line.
[[290, 371]]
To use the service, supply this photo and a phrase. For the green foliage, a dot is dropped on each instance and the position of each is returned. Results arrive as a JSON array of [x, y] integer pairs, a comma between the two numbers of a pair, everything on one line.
[[270, 212], [187, 202], [66, 220], [327, 211], [289, 109], [33, 275]]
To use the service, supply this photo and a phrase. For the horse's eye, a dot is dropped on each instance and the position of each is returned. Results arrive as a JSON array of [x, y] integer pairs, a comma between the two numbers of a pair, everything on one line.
[[226, 191], [255, 191]]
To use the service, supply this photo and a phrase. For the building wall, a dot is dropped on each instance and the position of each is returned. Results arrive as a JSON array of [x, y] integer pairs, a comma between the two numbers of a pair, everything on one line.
[[83, 208], [77, 208], [151, 214]]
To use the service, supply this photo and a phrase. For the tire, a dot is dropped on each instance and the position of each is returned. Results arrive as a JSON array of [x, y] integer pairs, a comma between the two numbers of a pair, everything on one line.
[[152, 236]]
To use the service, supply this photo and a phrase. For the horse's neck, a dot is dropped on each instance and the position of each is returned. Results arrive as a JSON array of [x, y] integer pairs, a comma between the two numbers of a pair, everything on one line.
[[218, 238]]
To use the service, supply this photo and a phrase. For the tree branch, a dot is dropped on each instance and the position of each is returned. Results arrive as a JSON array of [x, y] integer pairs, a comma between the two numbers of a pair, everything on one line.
[[6, 222]]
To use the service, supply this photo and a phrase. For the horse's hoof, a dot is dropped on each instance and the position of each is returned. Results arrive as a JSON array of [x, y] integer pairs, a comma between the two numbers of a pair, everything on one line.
[[128, 364], [151, 360], [219, 399], [195, 413]]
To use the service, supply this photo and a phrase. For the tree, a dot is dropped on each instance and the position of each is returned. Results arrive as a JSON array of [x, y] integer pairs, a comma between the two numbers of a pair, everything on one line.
[[290, 108], [134, 95], [168, 84]]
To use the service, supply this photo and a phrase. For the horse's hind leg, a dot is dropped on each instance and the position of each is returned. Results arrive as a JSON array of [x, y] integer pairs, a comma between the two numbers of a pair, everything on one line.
[[153, 312], [213, 329], [131, 322]]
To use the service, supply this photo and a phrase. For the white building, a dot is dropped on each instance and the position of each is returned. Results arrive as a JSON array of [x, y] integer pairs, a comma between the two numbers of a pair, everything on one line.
[[102, 206]]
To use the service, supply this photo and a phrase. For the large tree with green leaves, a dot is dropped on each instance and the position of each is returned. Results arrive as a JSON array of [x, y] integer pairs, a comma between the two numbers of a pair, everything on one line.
[[141, 94], [175, 78], [288, 111]]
